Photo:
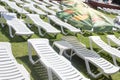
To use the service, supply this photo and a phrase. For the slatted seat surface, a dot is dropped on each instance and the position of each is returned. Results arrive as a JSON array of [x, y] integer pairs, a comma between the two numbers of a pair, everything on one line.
[[15, 7], [19, 27], [9, 69], [42, 24], [58, 64], [80, 50]]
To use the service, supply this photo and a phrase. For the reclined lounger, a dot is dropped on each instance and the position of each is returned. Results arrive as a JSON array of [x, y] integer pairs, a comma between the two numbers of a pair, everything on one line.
[[63, 24], [42, 25], [53, 62], [15, 7], [9, 68], [47, 10], [31, 7], [113, 52], [114, 39], [105, 67], [17, 25]]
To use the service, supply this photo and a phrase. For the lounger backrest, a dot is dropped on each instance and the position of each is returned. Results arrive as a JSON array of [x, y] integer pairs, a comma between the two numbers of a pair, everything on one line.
[[98, 41], [79, 47], [14, 6], [44, 8], [36, 18], [112, 51], [31, 7], [8, 66], [9, 16], [17, 24], [63, 24], [114, 39]]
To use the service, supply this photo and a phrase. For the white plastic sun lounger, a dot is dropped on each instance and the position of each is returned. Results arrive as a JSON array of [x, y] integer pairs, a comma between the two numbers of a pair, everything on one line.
[[19, 1], [9, 68], [114, 39], [15, 7], [31, 7], [90, 56], [41, 2], [113, 52], [53, 62], [63, 24], [17, 25], [42, 25], [50, 3], [47, 10]]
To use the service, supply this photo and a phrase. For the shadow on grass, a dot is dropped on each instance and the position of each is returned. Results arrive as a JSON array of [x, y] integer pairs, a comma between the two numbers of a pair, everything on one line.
[[79, 64], [37, 71]]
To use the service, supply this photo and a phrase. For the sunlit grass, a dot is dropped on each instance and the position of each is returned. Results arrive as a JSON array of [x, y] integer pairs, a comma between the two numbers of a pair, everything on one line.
[[37, 72]]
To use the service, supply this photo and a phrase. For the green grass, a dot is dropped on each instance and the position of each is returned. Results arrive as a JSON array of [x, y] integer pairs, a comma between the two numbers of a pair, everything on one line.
[[38, 72], [20, 51]]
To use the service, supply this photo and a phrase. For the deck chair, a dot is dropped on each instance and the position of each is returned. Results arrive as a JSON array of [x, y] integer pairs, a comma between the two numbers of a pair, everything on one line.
[[53, 62], [31, 7], [114, 39], [19, 1], [63, 24], [47, 10], [41, 2], [9, 68], [42, 25], [17, 25], [15, 7], [113, 52], [90, 56]]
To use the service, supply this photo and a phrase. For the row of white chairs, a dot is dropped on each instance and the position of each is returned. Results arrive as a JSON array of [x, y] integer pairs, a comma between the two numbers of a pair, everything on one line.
[[57, 64], [39, 23], [90, 56], [44, 50]]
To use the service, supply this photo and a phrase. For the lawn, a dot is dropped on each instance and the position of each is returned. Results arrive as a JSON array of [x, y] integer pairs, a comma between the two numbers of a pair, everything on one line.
[[38, 72]]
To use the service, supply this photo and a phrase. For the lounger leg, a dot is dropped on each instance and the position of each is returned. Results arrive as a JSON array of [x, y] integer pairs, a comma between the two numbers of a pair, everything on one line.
[[89, 71], [114, 60], [110, 77], [49, 73], [109, 41], [28, 25], [2, 24], [61, 51], [63, 31], [10, 32], [91, 44], [30, 54], [40, 32]]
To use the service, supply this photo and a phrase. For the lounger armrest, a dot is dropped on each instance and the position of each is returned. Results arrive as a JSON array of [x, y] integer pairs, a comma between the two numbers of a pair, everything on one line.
[[24, 71]]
